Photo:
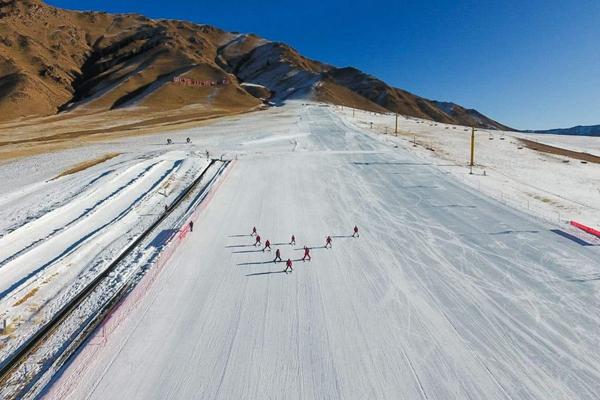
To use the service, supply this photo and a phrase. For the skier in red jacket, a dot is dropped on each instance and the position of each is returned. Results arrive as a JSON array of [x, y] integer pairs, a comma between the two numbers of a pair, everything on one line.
[[277, 256], [257, 243], [328, 242], [288, 264], [293, 241], [306, 254], [253, 231], [355, 234], [267, 245]]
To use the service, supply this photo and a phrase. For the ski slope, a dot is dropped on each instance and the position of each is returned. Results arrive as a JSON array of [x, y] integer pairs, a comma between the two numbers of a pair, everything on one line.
[[46, 260], [554, 187], [447, 294]]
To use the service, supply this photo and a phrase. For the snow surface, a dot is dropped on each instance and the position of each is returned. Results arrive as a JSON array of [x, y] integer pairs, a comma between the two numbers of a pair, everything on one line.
[[556, 188], [447, 294], [49, 253], [252, 85], [44, 360]]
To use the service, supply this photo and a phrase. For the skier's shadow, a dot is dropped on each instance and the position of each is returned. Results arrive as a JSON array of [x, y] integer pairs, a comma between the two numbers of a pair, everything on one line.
[[266, 273], [162, 238], [260, 262], [341, 236], [238, 236], [239, 245], [247, 251], [310, 248], [280, 244]]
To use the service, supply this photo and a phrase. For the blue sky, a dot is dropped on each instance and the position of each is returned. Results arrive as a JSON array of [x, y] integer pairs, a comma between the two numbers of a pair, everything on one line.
[[530, 64]]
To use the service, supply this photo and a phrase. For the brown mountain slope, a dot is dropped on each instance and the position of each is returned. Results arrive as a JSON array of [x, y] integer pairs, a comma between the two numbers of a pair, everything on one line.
[[53, 60], [403, 102]]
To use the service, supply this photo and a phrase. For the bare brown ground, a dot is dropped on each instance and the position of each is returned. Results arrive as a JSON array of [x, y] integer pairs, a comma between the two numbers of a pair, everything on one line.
[[329, 92], [28, 137], [87, 164], [545, 148], [23, 299]]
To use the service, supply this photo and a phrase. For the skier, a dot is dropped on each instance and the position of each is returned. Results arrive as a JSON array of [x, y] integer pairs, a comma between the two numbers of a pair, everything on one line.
[[257, 243], [191, 226], [188, 140], [267, 245], [169, 141], [355, 234], [166, 208], [288, 264], [328, 242], [253, 231], [207, 155], [293, 241], [306, 254], [277, 256]]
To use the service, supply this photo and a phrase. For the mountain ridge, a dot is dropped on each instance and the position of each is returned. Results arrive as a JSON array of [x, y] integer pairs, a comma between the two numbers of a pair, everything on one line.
[[54, 60], [579, 130]]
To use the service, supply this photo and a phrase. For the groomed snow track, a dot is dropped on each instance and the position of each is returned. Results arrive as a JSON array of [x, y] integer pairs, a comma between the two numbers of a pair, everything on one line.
[[447, 294], [19, 357]]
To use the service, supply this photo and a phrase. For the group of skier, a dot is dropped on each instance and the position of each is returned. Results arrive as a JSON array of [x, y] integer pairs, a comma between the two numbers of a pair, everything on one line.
[[288, 263]]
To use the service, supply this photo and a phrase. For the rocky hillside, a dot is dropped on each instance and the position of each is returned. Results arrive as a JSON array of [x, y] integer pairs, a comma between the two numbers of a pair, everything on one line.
[[54, 60]]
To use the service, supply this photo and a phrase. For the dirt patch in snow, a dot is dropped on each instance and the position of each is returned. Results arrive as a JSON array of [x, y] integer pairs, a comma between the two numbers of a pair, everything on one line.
[[545, 148], [23, 299], [87, 164], [49, 134]]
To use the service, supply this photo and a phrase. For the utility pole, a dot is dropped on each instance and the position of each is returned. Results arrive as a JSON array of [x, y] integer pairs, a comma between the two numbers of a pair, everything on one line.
[[472, 163], [396, 131]]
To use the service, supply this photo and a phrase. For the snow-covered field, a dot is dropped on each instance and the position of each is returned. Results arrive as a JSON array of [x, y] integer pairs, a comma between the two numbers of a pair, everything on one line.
[[447, 294], [553, 187]]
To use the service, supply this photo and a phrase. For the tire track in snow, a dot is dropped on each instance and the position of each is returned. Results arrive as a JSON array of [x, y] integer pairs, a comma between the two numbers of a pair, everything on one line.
[[522, 248], [46, 353], [72, 247], [86, 212], [57, 204]]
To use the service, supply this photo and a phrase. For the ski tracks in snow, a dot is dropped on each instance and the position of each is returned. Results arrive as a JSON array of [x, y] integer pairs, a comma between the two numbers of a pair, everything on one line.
[[445, 295], [48, 260]]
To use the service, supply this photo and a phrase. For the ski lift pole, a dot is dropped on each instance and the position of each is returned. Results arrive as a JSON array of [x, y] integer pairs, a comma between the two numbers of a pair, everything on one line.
[[472, 163]]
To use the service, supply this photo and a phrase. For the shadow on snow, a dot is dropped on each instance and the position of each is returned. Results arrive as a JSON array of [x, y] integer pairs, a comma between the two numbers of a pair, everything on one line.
[[266, 273]]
